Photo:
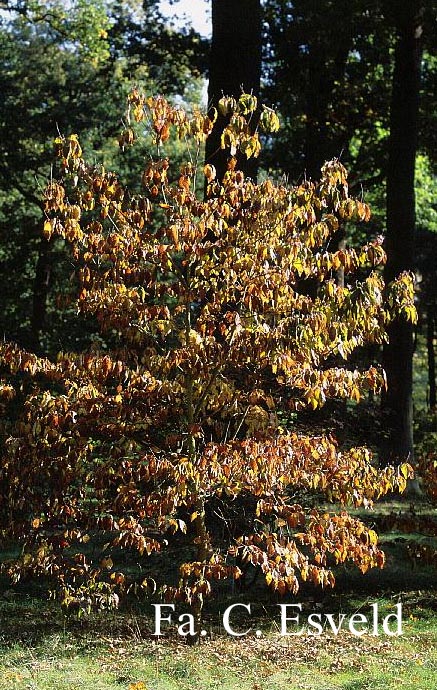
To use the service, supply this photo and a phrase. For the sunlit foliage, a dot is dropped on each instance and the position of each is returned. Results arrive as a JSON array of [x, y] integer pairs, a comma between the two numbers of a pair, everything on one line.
[[211, 340]]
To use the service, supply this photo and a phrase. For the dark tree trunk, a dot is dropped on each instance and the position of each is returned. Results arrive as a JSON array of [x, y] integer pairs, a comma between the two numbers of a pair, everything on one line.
[[400, 241], [430, 333], [235, 66], [320, 144], [318, 93], [40, 292]]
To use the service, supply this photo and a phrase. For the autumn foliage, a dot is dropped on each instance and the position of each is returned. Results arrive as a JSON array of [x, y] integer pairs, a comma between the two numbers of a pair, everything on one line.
[[209, 344], [427, 468]]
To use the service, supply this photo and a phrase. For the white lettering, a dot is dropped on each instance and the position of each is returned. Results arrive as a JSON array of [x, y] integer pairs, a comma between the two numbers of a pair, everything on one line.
[[356, 619], [186, 628], [159, 618], [374, 608], [285, 618], [226, 623], [398, 618], [314, 621], [330, 618]]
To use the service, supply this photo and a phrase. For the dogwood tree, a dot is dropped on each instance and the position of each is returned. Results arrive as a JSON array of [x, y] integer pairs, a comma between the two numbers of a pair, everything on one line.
[[208, 343]]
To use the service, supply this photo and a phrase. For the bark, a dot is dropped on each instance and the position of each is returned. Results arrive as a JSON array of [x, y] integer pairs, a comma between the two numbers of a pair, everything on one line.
[[41, 286], [430, 333], [317, 98], [203, 553], [400, 241], [338, 242], [320, 144], [201, 537], [235, 66]]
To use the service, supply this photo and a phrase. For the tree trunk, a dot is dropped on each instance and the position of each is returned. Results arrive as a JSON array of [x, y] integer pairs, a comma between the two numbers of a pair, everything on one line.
[[235, 66], [40, 292], [201, 537], [318, 93], [400, 241], [430, 332], [321, 144], [203, 554]]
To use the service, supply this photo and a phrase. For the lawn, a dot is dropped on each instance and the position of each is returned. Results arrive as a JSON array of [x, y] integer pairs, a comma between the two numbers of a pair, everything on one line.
[[41, 650]]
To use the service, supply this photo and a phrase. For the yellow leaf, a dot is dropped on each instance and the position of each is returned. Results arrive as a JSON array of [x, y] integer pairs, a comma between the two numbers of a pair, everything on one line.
[[373, 537], [106, 563], [48, 229], [405, 470]]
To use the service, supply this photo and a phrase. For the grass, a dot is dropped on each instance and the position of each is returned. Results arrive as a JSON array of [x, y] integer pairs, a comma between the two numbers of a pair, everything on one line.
[[40, 651]]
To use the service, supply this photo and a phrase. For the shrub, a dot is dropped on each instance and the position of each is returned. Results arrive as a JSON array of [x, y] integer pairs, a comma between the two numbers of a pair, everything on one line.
[[208, 340]]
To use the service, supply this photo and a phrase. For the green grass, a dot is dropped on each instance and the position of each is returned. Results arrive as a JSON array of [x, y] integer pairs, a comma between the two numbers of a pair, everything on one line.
[[39, 651]]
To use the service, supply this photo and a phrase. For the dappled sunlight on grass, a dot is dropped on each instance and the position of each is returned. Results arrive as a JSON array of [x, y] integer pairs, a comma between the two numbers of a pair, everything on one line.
[[120, 652]]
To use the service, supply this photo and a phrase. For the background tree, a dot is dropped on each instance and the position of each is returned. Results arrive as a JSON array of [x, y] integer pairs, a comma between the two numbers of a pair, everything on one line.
[[327, 68], [49, 85], [335, 99], [401, 217], [235, 66], [40, 82]]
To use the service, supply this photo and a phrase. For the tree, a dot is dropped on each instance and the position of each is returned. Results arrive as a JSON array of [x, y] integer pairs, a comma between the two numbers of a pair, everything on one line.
[[345, 106], [79, 85], [235, 66], [404, 114], [141, 35], [80, 24], [327, 68], [208, 349], [322, 73], [41, 78]]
